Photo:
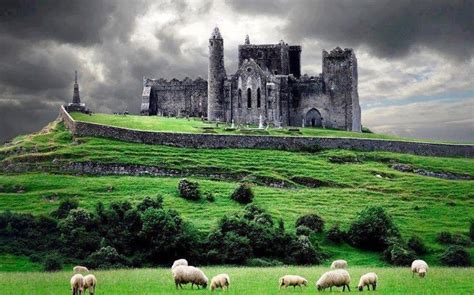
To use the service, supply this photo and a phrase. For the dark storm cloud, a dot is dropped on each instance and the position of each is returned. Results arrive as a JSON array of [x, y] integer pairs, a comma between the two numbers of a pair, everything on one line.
[[388, 28]]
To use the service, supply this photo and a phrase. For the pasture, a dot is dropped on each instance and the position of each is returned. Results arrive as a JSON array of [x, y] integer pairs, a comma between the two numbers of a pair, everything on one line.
[[244, 280]]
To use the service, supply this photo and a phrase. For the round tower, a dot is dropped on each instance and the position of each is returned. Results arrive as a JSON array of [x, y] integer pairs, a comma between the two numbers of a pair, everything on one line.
[[216, 77]]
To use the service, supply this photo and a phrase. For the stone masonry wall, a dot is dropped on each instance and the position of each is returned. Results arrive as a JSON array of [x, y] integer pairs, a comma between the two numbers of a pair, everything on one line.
[[263, 142]]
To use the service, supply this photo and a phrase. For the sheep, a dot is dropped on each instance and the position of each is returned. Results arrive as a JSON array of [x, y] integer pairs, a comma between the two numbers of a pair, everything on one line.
[[339, 264], [367, 280], [220, 281], [77, 284], [179, 262], [184, 274], [337, 278], [89, 283], [292, 280], [420, 267], [80, 268]]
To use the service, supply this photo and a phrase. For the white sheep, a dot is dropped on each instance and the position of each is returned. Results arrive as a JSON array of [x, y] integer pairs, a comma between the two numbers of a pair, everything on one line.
[[89, 283], [220, 281], [179, 262], [339, 264], [184, 274], [369, 279], [77, 284], [334, 278], [292, 280], [80, 268], [420, 267]]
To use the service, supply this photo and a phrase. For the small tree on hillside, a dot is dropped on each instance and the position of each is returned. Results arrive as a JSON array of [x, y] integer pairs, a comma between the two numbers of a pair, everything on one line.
[[243, 194]]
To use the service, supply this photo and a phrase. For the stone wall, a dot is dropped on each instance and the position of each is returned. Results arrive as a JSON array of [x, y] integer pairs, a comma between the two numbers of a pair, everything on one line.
[[263, 142]]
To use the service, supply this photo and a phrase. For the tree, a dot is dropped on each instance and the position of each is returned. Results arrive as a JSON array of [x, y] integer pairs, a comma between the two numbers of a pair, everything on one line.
[[312, 221], [243, 194]]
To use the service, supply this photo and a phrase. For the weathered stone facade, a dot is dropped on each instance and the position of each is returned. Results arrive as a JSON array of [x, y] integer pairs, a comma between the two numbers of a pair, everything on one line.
[[267, 87]]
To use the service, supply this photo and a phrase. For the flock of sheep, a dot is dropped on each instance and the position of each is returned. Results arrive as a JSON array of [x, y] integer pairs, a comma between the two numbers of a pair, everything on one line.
[[184, 274], [337, 277]]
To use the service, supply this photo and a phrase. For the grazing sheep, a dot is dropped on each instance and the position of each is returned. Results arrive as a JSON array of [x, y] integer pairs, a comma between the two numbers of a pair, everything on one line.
[[367, 280], [220, 281], [339, 264], [77, 284], [420, 267], [80, 268], [334, 278], [89, 283], [179, 262], [184, 274], [291, 280]]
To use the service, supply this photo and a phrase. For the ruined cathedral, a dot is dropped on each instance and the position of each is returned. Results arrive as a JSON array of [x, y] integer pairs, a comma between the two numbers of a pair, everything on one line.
[[268, 86]]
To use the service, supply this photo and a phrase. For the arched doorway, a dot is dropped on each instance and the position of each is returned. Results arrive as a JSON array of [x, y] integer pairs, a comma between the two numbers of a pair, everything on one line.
[[313, 118]]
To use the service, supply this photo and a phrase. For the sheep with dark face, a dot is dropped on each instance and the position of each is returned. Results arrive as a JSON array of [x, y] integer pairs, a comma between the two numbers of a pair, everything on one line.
[[334, 278], [420, 267], [292, 280], [369, 279], [184, 274], [77, 284]]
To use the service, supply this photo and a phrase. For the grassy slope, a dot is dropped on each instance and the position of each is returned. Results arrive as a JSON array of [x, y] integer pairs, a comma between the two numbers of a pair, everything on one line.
[[243, 281], [195, 125], [417, 203]]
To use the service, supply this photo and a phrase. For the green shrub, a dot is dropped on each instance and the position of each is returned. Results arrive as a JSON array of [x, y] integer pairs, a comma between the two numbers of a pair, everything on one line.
[[444, 237], [471, 229], [452, 239], [52, 262], [335, 234], [189, 190], [416, 244], [372, 229], [106, 257], [303, 230], [64, 207], [456, 256], [303, 252], [399, 255], [243, 194], [210, 197], [312, 221], [148, 202]]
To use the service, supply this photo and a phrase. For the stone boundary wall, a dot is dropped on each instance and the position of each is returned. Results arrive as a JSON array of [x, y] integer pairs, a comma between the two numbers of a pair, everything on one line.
[[291, 143]]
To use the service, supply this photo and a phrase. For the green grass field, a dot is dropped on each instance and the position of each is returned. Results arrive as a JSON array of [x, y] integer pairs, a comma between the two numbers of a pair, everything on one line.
[[243, 281], [419, 205], [196, 125]]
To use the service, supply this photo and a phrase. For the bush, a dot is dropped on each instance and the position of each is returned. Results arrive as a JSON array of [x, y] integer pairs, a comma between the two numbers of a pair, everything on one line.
[[312, 221], [416, 244], [64, 207], [189, 190], [156, 203], [471, 230], [452, 239], [52, 262], [303, 230], [399, 255], [304, 253], [106, 257], [243, 194], [210, 197], [456, 256], [372, 229], [335, 234]]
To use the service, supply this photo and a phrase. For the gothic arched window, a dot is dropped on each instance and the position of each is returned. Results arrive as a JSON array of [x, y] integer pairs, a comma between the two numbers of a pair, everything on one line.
[[239, 99], [258, 98], [249, 98]]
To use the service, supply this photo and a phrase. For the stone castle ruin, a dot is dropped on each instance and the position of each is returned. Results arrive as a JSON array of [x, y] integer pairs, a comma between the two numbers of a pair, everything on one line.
[[268, 86]]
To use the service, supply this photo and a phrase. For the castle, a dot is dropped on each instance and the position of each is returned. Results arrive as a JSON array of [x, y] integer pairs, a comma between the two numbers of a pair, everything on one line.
[[268, 87]]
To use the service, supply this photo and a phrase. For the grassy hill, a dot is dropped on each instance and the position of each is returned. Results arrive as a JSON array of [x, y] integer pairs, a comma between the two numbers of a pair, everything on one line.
[[336, 184]]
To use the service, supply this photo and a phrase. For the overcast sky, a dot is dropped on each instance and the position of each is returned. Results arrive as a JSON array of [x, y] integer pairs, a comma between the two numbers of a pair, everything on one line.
[[416, 58]]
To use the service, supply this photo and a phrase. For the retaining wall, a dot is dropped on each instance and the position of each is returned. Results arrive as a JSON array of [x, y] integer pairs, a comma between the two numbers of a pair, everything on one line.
[[292, 143]]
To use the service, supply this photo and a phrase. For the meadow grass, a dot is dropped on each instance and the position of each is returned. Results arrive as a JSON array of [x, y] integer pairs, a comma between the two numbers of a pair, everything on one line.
[[244, 280], [196, 125]]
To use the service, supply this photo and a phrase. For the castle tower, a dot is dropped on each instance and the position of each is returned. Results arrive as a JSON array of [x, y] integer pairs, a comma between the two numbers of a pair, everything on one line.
[[216, 77], [340, 84], [75, 97]]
